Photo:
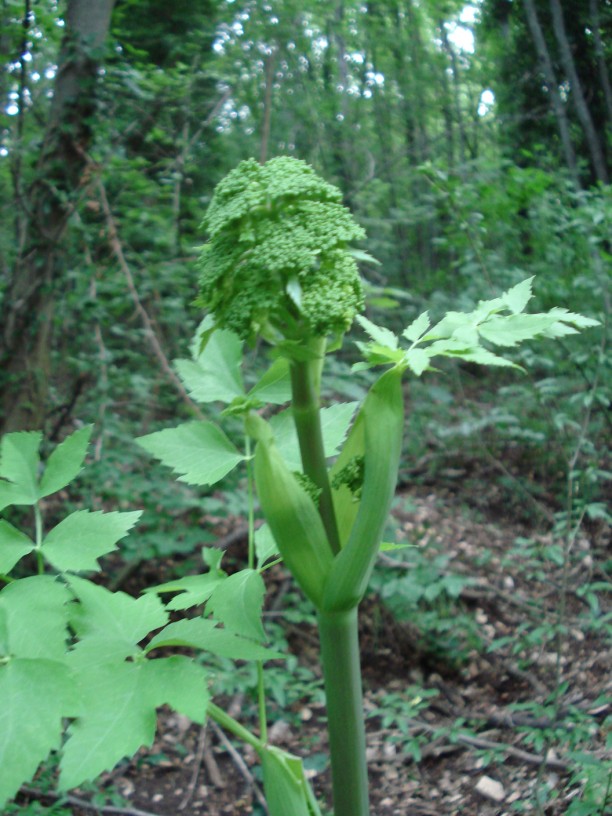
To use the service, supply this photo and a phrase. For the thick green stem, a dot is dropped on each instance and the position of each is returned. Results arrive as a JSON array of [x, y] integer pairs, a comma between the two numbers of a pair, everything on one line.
[[305, 381], [338, 629], [342, 672]]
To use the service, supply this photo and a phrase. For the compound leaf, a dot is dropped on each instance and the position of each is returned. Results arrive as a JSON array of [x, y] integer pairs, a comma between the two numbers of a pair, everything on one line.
[[275, 385], [66, 462], [118, 719], [483, 356], [417, 360], [36, 616], [178, 681], [81, 538], [518, 297], [36, 695], [510, 330], [191, 590], [13, 545], [19, 466], [198, 451], [417, 328], [214, 375], [380, 335], [335, 422], [238, 603], [119, 711], [265, 545], [578, 320], [199, 633], [111, 624]]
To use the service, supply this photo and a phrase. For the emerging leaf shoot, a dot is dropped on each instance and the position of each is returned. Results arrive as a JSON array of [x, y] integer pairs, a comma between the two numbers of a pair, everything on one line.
[[460, 334]]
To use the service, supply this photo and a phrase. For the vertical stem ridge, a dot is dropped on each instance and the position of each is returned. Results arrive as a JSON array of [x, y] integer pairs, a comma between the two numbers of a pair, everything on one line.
[[305, 376], [342, 673]]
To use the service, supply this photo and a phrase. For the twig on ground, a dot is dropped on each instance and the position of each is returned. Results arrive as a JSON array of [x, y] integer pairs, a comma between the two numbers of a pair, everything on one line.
[[510, 750], [83, 803], [199, 758], [234, 709], [517, 753], [527, 676], [240, 764], [212, 769]]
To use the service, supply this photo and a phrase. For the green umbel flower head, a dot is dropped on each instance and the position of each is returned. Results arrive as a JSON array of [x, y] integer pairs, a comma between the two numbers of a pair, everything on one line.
[[277, 262]]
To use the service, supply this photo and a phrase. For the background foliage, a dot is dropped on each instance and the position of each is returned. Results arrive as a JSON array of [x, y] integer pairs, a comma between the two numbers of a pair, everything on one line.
[[440, 137], [472, 150]]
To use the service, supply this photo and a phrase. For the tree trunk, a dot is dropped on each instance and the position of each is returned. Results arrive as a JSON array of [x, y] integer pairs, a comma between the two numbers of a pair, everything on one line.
[[576, 93], [335, 75], [601, 59], [413, 66], [267, 107], [26, 332], [553, 88], [454, 63], [376, 35]]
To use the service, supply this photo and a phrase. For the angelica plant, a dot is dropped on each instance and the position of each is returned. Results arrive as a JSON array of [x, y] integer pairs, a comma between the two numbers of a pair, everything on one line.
[[83, 669], [278, 265]]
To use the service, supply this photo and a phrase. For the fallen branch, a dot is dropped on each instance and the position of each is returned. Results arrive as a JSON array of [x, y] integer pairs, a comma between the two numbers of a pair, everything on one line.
[[199, 759], [240, 764], [82, 803], [517, 753], [509, 750]]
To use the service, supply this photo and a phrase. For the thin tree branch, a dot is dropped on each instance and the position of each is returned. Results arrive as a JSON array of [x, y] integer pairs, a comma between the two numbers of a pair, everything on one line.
[[115, 244]]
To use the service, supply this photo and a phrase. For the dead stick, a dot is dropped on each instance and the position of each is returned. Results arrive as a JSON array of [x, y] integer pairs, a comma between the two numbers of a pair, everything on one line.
[[489, 745], [83, 803], [196, 769], [518, 753], [240, 764]]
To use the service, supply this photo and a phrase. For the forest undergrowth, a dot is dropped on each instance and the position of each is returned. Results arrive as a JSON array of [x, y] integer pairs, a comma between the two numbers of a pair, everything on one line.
[[486, 637], [480, 699]]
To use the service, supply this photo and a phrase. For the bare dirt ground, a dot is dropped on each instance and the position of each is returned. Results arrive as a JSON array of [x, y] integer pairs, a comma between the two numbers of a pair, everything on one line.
[[480, 756]]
